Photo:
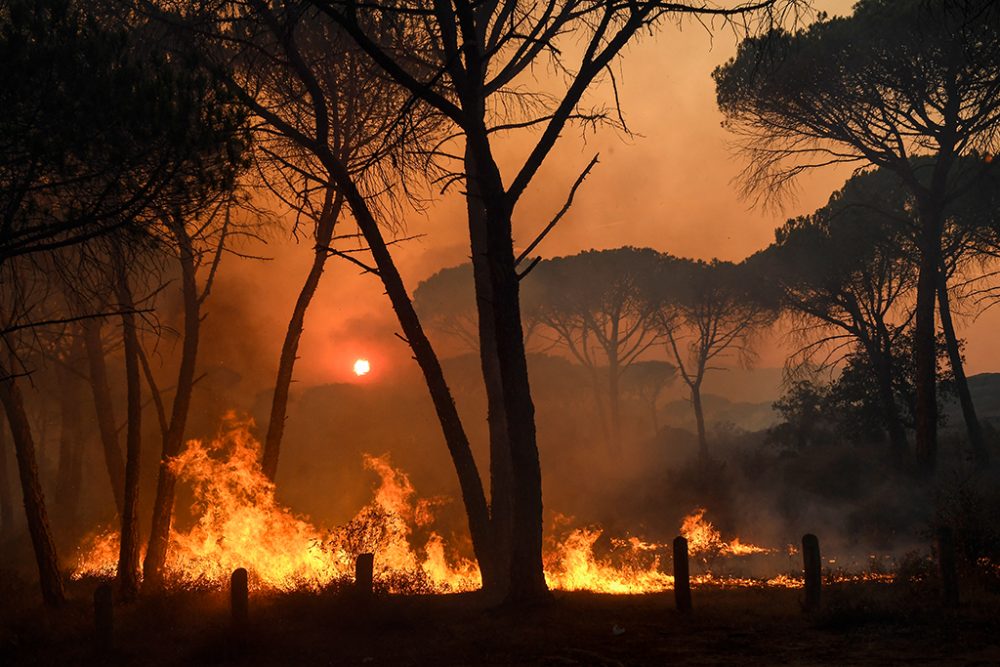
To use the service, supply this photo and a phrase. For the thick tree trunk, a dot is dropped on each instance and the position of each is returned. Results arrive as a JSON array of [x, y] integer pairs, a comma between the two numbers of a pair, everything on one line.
[[473, 496], [69, 475], [289, 348], [972, 425], [34, 499], [699, 418], [173, 439], [924, 348], [104, 407], [527, 577], [128, 553], [497, 581]]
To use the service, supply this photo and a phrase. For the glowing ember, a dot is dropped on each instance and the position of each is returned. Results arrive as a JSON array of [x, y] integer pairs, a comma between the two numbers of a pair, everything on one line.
[[362, 367]]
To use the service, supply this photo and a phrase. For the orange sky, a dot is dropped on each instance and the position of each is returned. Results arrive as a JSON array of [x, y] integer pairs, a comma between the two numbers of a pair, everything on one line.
[[670, 187]]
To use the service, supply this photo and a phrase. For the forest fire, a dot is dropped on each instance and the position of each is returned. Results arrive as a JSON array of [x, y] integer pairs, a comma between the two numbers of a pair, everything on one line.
[[686, 308], [239, 523]]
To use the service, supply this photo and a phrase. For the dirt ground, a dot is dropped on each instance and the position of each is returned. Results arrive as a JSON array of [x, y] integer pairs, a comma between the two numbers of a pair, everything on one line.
[[861, 624]]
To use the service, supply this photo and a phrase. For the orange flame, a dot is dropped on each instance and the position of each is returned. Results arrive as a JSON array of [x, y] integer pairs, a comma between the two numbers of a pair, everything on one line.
[[239, 523], [571, 565], [704, 539]]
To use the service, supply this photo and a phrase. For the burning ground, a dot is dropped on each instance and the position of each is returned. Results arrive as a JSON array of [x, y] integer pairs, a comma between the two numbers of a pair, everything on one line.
[[425, 610], [237, 522]]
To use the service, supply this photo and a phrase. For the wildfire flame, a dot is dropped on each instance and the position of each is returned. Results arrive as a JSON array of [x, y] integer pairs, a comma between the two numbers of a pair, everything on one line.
[[239, 523], [704, 539], [571, 565]]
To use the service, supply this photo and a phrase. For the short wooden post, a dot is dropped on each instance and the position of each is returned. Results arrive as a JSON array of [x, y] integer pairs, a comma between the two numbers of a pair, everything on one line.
[[813, 571], [239, 596], [104, 617], [364, 574], [946, 566], [682, 576]]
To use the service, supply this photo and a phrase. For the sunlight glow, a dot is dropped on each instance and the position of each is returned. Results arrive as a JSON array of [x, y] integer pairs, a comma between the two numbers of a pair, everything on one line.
[[361, 367]]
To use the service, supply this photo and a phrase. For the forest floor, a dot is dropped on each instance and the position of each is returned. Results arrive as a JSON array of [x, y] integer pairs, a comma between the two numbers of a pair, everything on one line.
[[860, 624]]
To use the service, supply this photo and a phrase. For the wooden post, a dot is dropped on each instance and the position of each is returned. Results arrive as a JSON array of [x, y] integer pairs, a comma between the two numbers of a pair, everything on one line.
[[104, 617], [813, 571], [682, 576], [239, 594], [364, 574], [946, 566]]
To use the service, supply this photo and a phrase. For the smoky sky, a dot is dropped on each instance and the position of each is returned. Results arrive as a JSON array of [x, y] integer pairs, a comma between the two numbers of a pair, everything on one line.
[[670, 185]]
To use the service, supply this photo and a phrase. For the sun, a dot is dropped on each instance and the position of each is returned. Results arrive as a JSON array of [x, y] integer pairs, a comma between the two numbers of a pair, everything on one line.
[[361, 367]]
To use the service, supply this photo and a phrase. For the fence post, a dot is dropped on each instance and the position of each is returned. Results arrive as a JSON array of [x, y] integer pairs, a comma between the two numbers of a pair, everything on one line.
[[946, 566], [239, 596], [813, 571], [682, 576], [364, 574], [104, 617]]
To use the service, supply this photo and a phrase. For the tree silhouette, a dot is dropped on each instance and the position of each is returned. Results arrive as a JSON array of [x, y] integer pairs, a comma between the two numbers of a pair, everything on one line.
[[473, 65], [268, 48], [892, 81], [593, 304], [99, 128], [889, 206], [705, 311], [846, 275]]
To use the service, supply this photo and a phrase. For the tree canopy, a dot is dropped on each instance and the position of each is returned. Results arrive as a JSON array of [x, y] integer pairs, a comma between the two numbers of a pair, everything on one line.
[[892, 81]]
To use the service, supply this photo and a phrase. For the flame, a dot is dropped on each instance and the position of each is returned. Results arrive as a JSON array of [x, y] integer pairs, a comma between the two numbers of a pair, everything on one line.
[[704, 539], [239, 523], [571, 565]]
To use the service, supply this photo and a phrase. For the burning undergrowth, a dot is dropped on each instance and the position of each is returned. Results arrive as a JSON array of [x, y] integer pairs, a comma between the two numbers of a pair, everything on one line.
[[239, 523]]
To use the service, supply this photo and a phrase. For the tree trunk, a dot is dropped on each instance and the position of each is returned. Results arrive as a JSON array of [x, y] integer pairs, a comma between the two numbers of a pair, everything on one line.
[[527, 577], [69, 474], [34, 499], [614, 403], [473, 496], [173, 439], [972, 425], [104, 407], [699, 418], [924, 348], [128, 553], [6, 490], [496, 583], [882, 363], [289, 348], [601, 407]]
